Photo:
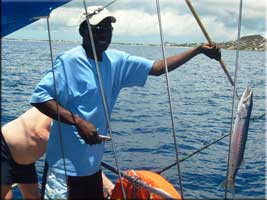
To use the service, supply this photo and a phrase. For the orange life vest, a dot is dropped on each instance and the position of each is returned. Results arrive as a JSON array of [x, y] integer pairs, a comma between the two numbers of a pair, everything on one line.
[[135, 192]]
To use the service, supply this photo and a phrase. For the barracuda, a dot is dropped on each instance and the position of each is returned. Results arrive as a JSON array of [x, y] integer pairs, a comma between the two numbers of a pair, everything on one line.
[[239, 136]]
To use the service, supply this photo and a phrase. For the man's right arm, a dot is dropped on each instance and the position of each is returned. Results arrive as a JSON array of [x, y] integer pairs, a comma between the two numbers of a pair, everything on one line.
[[86, 130], [52, 109], [173, 62]]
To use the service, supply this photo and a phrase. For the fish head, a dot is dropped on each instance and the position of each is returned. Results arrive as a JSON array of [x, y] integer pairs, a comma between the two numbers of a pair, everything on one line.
[[245, 104], [248, 99]]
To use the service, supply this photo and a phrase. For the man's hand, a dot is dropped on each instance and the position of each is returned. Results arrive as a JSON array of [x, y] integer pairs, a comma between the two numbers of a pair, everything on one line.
[[87, 131], [212, 51]]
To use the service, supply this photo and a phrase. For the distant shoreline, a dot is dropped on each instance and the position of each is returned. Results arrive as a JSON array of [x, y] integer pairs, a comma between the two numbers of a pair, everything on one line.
[[116, 43], [250, 43]]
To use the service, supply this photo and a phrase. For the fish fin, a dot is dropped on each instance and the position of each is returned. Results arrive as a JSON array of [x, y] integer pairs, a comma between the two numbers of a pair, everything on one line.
[[222, 185], [230, 186]]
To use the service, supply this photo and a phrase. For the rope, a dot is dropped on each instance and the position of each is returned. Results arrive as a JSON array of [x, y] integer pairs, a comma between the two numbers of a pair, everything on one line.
[[169, 96], [234, 91], [109, 4], [56, 98], [98, 10], [104, 99]]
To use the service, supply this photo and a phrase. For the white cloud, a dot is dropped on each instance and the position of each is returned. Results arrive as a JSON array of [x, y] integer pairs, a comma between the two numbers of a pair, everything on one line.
[[217, 30], [139, 18], [135, 23], [139, 23], [67, 16]]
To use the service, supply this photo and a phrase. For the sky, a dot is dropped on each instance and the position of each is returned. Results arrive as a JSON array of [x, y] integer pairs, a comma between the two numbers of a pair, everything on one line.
[[137, 21]]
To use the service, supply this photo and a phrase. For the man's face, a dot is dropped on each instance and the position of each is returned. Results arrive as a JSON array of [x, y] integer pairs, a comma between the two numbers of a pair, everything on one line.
[[102, 34]]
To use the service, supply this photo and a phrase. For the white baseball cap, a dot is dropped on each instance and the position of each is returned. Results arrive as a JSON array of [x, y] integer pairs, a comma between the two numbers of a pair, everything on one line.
[[97, 13]]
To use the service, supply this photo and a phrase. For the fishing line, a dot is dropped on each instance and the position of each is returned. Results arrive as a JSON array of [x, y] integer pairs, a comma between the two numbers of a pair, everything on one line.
[[169, 96], [201, 149], [234, 92], [104, 99], [192, 154]]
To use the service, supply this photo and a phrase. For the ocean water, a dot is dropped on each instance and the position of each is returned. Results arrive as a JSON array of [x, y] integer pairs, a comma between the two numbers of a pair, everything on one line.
[[141, 123]]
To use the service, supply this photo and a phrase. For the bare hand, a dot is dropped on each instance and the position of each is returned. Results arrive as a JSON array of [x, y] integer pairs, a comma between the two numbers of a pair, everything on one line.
[[211, 50], [88, 132], [107, 190], [108, 186]]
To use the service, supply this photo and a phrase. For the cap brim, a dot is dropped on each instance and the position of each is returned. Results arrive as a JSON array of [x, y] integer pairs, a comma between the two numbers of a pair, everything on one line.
[[98, 20]]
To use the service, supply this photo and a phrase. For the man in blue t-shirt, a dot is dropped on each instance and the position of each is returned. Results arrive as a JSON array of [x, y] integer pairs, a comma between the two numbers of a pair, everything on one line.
[[71, 93]]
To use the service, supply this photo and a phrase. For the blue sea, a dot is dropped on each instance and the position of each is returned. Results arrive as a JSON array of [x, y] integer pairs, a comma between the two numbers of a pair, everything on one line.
[[141, 122]]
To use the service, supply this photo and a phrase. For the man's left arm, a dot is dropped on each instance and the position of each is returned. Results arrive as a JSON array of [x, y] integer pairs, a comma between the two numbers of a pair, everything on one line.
[[176, 61]]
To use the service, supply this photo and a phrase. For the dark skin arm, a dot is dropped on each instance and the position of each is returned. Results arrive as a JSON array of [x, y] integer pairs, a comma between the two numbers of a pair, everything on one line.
[[86, 130], [176, 61]]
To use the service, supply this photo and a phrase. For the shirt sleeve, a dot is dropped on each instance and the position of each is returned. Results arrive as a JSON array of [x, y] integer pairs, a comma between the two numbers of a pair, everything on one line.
[[135, 70], [45, 89]]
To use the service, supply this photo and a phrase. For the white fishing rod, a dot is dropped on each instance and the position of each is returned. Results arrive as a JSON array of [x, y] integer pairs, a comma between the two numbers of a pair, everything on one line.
[[104, 99]]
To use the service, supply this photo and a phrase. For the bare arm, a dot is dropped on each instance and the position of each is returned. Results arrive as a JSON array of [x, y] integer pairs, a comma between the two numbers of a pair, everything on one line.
[[176, 61], [50, 109], [86, 130]]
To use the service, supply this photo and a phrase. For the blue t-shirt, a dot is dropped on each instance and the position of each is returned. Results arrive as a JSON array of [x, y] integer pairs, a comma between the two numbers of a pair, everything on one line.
[[78, 91]]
